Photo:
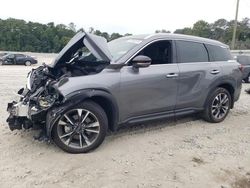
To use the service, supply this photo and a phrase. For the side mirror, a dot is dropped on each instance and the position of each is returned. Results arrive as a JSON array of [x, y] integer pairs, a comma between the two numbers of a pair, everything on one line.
[[141, 61]]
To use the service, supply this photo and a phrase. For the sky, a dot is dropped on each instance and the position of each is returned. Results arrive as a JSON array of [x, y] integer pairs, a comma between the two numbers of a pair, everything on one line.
[[124, 16]]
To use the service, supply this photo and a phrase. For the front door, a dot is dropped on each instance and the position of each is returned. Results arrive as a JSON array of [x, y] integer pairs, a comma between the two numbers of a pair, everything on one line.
[[10, 59], [151, 90]]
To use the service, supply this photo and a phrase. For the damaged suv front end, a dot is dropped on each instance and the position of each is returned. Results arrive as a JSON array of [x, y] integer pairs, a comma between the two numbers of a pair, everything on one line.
[[41, 100], [35, 100]]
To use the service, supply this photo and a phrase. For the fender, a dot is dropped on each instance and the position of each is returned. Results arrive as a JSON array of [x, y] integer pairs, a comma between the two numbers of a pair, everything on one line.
[[77, 97]]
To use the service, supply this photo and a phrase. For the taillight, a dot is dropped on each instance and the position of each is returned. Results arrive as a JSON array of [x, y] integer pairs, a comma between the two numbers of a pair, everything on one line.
[[241, 67]]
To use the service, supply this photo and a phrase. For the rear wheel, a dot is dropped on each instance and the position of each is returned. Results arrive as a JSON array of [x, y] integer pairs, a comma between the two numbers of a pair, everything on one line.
[[27, 63], [218, 106], [81, 128]]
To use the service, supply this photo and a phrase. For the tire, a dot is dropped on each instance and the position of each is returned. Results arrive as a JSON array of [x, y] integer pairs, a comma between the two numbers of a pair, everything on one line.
[[84, 137], [246, 80], [1, 63], [27, 63], [217, 107]]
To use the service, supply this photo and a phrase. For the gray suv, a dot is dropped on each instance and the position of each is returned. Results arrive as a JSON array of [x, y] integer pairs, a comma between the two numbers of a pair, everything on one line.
[[93, 86]]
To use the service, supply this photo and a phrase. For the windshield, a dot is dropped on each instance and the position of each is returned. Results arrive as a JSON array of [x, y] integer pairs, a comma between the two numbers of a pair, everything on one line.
[[121, 46]]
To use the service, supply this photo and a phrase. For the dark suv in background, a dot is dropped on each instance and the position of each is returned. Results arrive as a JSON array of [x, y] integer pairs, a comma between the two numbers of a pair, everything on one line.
[[93, 86], [244, 60]]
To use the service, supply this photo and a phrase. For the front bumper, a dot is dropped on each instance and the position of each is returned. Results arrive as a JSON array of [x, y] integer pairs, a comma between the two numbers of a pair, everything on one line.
[[18, 117], [18, 109], [22, 116]]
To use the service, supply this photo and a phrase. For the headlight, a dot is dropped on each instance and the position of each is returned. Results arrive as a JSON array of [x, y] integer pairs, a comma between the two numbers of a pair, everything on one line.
[[28, 85]]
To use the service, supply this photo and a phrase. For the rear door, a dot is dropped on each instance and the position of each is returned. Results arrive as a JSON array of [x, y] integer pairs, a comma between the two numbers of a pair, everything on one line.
[[196, 75], [20, 59]]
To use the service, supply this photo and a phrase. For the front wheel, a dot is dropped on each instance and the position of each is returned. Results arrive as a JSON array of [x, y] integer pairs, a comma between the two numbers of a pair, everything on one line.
[[217, 106], [81, 128], [27, 63]]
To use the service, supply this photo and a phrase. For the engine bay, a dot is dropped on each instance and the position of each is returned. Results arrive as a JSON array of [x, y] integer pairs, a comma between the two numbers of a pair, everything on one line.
[[40, 93], [85, 54]]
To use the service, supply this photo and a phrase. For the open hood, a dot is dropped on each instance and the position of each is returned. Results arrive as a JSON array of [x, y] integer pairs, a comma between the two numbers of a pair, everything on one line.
[[97, 46]]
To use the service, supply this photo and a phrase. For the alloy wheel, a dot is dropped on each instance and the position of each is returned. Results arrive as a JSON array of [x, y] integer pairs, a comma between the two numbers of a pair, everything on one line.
[[220, 106], [78, 128]]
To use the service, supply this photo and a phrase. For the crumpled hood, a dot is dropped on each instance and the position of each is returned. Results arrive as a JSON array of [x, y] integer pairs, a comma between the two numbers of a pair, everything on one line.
[[97, 46]]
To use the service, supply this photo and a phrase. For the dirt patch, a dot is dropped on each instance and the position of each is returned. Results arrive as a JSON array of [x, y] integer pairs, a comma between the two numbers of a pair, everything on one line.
[[243, 182], [198, 160]]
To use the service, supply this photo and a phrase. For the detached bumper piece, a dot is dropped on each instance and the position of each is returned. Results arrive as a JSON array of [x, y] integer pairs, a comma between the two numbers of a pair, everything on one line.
[[14, 121]]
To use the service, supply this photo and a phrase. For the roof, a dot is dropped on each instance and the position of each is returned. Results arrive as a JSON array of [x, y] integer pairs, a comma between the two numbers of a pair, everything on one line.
[[156, 36]]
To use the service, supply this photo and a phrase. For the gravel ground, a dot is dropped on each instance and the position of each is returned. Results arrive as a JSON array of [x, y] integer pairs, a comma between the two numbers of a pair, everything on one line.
[[188, 152]]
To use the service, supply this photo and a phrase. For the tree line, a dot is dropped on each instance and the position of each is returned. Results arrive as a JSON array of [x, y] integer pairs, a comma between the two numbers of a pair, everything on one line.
[[19, 35], [221, 30]]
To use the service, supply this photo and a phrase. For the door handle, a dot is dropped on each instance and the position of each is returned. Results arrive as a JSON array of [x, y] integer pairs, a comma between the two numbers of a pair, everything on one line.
[[171, 75], [215, 72]]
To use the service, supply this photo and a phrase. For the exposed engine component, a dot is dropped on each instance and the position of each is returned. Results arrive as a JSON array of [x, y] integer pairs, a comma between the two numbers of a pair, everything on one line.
[[41, 94], [42, 101], [46, 101]]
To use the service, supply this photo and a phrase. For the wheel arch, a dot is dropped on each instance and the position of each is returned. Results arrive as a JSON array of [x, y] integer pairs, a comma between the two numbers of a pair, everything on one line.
[[103, 98], [110, 108], [229, 88], [226, 85]]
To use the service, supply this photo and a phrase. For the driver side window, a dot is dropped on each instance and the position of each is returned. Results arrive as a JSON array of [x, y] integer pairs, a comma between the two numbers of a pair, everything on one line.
[[160, 52]]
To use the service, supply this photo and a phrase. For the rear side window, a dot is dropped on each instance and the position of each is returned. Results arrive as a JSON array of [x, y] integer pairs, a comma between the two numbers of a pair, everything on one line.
[[218, 53], [191, 52]]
